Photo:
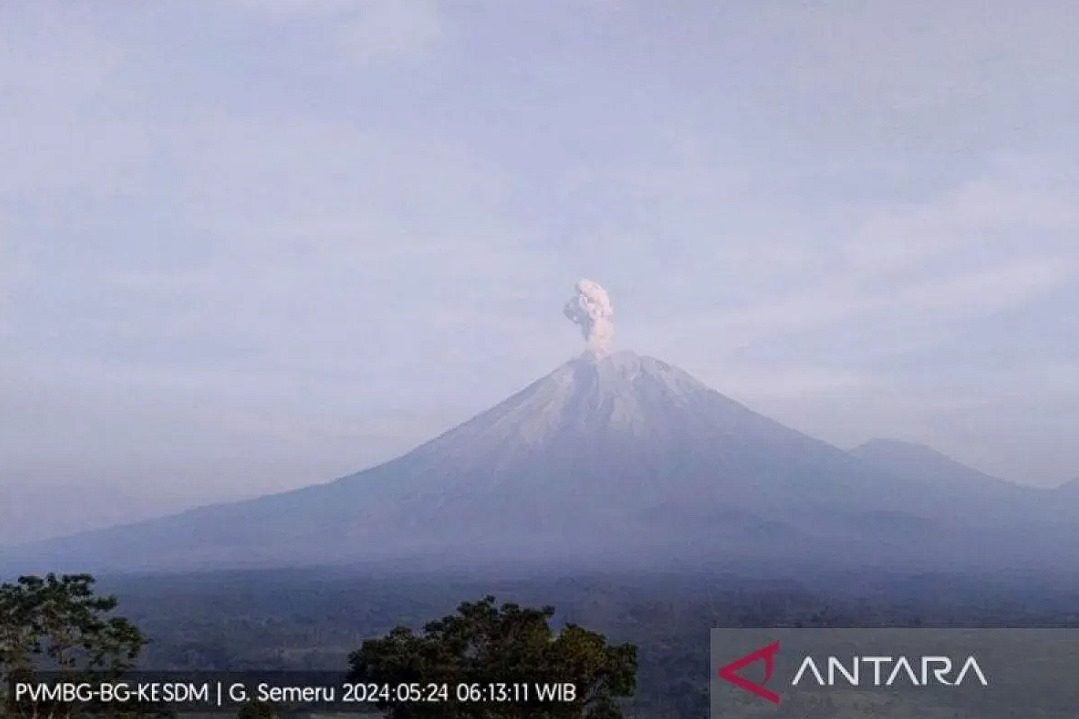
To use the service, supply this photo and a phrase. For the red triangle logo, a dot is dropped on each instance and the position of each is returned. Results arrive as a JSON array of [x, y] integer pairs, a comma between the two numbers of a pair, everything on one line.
[[766, 654]]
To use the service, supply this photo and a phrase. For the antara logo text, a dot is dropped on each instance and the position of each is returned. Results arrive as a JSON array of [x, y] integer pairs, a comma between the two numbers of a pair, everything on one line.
[[856, 671]]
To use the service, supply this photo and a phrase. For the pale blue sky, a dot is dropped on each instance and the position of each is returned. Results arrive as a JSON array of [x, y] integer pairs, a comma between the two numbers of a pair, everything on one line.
[[251, 245]]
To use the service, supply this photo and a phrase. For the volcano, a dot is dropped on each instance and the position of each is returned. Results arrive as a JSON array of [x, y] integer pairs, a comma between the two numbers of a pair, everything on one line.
[[614, 459]]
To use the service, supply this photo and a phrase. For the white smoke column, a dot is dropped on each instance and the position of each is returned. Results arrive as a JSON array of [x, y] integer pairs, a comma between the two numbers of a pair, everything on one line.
[[591, 309]]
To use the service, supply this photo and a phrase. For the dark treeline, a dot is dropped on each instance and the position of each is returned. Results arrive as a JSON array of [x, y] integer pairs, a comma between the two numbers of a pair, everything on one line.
[[58, 632], [313, 619]]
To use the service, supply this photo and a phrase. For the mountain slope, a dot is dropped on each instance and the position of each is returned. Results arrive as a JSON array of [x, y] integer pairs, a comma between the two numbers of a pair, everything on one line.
[[917, 461], [986, 500], [1070, 488], [615, 459]]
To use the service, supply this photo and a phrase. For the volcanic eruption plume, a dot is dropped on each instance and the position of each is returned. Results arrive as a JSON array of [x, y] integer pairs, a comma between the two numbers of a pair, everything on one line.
[[590, 308]]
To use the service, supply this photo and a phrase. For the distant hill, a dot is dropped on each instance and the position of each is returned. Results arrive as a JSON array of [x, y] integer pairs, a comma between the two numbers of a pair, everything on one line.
[[1070, 488], [81, 507], [983, 498], [919, 462], [617, 460]]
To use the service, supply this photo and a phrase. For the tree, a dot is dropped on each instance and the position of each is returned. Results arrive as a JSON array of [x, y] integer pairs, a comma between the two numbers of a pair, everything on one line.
[[483, 655], [58, 624], [256, 710]]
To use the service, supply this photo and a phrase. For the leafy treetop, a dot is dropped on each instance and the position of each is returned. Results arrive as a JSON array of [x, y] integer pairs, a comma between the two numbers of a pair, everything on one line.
[[483, 644]]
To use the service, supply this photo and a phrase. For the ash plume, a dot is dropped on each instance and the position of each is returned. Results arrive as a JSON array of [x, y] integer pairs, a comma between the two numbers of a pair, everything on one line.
[[590, 308]]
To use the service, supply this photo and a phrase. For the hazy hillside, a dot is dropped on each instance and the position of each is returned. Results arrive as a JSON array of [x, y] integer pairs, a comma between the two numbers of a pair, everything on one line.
[[616, 460]]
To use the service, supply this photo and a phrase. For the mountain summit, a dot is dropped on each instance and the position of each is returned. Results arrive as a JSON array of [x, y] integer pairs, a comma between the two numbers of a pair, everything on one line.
[[613, 458]]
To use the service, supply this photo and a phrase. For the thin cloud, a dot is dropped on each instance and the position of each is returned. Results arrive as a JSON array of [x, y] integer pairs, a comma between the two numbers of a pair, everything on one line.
[[989, 291], [388, 28], [364, 31], [364, 231]]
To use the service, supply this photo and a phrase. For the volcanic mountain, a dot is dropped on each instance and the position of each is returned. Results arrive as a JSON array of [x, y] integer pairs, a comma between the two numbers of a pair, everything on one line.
[[618, 459]]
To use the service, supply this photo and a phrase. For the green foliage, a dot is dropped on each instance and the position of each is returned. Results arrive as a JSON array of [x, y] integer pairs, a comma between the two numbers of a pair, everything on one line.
[[58, 624], [257, 710], [483, 644], [312, 619]]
